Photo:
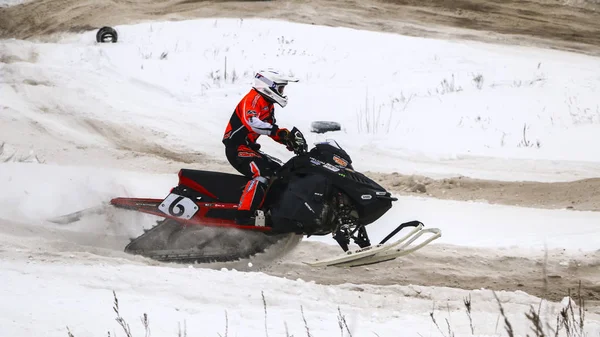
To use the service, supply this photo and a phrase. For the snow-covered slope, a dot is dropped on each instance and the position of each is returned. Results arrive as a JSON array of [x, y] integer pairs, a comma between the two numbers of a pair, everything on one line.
[[409, 100], [91, 111]]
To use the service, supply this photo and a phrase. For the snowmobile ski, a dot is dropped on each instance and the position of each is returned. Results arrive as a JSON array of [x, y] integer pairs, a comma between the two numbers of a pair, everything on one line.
[[393, 252], [349, 256], [383, 251]]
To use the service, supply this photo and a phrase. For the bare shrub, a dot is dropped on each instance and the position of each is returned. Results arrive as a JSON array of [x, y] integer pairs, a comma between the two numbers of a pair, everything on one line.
[[448, 86], [527, 143], [478, 80], [372, 118]]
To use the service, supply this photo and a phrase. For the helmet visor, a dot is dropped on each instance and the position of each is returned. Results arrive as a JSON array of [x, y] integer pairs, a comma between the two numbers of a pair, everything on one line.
[[280, 88]]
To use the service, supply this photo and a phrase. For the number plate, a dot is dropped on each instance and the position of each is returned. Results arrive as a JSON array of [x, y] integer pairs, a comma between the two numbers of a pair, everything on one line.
[[178, 206]]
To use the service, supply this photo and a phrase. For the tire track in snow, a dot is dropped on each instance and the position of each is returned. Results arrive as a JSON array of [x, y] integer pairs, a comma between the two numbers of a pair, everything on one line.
[[581, 195], [444, 265]]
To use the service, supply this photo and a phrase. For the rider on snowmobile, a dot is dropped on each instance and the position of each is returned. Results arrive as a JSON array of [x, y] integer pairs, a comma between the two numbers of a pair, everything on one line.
[[254, 116]]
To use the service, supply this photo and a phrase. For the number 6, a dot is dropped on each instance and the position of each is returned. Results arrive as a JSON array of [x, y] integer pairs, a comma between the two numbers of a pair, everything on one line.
[[178, 206]]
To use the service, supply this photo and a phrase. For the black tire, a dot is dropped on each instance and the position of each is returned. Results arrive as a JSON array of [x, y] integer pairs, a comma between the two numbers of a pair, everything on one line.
[[106, 34], [324, 126]]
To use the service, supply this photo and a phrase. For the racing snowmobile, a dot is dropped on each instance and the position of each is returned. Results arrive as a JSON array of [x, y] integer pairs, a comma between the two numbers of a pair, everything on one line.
[[316, 192]]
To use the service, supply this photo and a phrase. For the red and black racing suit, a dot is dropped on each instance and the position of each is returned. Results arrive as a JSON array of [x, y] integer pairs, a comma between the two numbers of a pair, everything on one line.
[[253, 117]]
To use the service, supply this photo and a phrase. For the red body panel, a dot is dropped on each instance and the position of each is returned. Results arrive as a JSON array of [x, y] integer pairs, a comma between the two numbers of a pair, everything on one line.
[[150, 206]]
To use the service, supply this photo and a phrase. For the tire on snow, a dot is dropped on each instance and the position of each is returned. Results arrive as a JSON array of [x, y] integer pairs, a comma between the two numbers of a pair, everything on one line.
[[106, 34], [324, 126]]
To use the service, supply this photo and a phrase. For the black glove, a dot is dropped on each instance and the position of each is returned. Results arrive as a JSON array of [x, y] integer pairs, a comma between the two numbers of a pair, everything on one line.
[[284, 137], [283, 134], [297, 142]]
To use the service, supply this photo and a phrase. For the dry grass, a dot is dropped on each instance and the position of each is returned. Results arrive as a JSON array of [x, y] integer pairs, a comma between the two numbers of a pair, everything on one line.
[[569, 320]]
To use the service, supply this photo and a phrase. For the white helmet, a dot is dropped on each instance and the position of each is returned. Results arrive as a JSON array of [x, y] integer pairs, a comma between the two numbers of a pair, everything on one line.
[[271, 84]]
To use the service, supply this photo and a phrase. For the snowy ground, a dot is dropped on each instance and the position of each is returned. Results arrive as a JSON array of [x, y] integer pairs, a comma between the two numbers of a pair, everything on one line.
[[76, 294], [90, 112], [211, 302]]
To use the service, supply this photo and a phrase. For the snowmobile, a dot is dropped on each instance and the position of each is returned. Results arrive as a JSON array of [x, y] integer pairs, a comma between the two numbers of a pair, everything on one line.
[[316, 192]]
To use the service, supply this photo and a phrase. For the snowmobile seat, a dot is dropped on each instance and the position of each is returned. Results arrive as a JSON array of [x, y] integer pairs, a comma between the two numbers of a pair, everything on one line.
[[226, 187]]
